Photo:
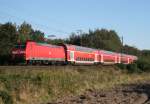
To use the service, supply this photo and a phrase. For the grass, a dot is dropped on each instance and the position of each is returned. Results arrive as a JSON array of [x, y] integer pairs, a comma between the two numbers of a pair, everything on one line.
[[37, 84]]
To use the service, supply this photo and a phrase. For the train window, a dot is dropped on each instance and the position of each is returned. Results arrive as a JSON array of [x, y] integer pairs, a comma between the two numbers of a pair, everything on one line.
[[79, 58], [91, 59]]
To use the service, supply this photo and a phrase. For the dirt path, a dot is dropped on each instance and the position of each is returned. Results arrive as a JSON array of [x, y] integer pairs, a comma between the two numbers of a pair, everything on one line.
[[126, 94]]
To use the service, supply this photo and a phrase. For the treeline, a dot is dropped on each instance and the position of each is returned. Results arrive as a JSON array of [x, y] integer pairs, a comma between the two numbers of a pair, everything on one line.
[[12, 34]]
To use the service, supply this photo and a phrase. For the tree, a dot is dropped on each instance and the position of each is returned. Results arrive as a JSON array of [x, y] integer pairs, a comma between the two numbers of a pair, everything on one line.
[[24, 31], [8, 38], [74, 39], [131, 50], [101, 39], [37, 36]]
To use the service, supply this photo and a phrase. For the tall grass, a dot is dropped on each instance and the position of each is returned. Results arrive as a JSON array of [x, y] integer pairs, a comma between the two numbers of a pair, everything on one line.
[[29, 85]]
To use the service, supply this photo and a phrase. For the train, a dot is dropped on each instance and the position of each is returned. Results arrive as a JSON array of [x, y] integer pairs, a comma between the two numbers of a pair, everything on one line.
[[43, 53]]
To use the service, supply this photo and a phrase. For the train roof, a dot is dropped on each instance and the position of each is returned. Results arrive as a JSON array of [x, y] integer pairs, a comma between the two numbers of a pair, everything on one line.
[[46, 44], [80, 48], [109, 52]]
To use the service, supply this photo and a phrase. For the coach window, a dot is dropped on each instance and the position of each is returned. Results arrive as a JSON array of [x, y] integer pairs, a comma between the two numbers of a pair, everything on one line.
[[79, 58]]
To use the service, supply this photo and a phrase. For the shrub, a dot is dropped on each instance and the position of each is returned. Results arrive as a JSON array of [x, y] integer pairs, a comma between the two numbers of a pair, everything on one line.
[[122, 66], [133, 68], [144, 65], [7, 99]]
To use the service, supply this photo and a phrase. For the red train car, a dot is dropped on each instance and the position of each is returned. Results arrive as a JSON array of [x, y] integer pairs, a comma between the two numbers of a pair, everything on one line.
[[128, 59], [44, 52], [81, 55], [108, 57], [18, 53]]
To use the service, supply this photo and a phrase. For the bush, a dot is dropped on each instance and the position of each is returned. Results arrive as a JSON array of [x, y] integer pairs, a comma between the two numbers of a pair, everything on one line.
[[122, 66], [143, 65], [6, 97], [133, 68]]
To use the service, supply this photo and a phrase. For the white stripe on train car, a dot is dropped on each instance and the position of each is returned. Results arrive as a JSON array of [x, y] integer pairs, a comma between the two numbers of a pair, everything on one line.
[[49, 59], [109, 63], [87, 62]]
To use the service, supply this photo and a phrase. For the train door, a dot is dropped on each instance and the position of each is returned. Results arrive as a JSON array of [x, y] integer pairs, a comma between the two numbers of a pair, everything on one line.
[[96, 58], [71, 55]]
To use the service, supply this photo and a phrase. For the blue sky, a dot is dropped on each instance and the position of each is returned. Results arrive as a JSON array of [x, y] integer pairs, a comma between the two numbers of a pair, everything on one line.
[[129, 18]]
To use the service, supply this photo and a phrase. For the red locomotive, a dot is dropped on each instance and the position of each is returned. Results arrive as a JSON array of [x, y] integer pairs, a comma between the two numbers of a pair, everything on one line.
[[65, 53], [44, 52]]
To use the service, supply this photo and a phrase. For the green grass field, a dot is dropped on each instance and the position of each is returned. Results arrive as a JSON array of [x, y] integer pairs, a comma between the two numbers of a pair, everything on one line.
[[38, 84]]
